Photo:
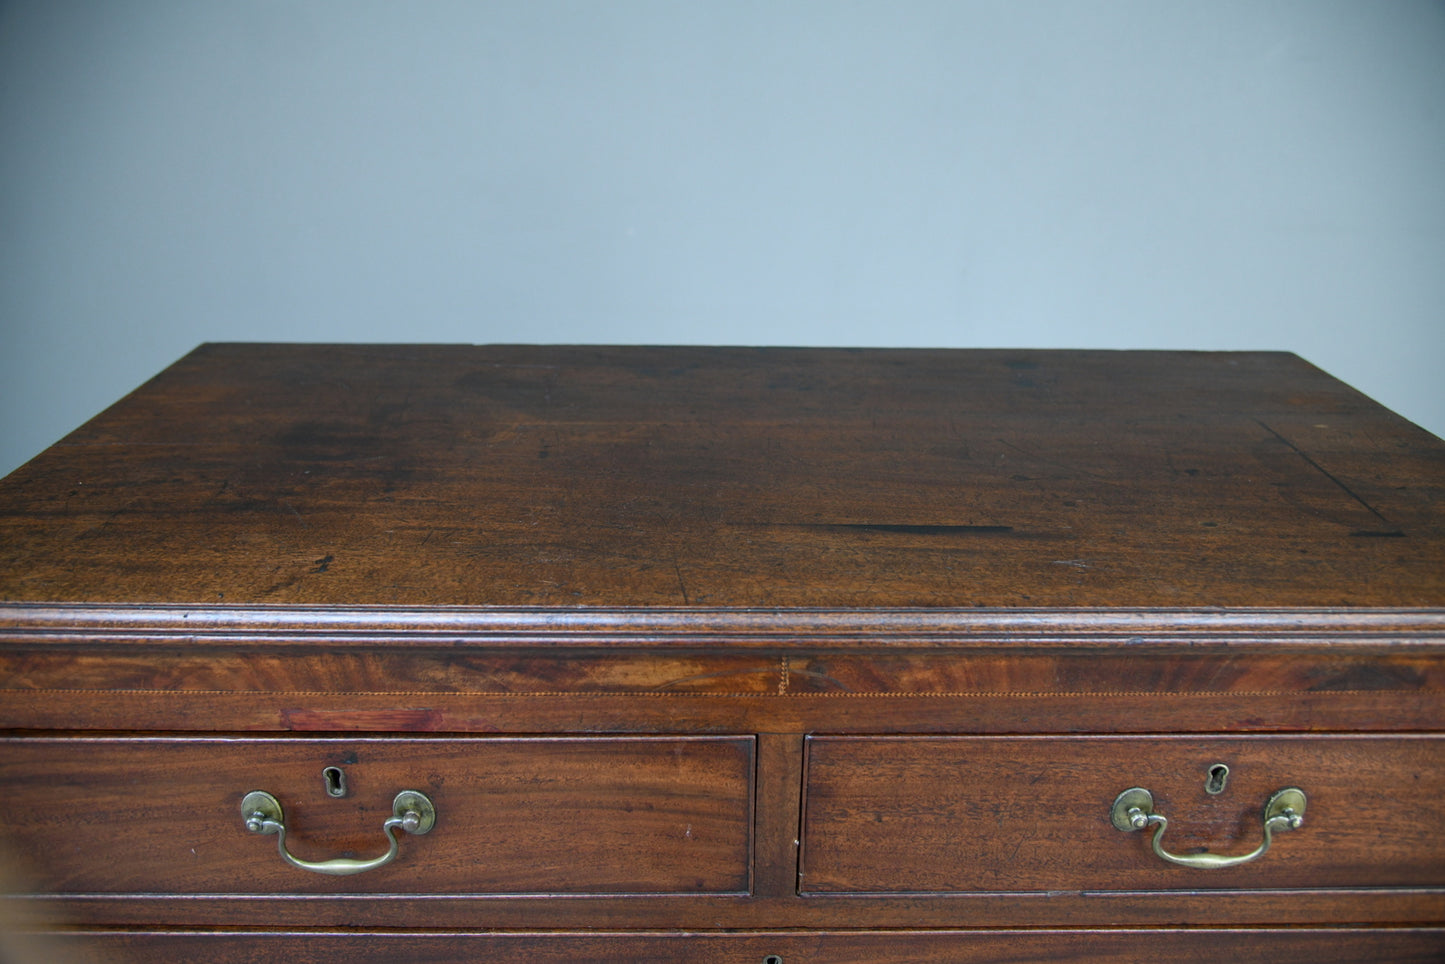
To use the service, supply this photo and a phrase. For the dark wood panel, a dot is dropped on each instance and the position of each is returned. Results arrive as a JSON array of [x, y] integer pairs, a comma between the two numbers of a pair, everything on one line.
[[1012, 909], [1263, 711], [1191, 669], [1184, 946], [374, 669], [693, 477], [780, 764], [898, 815], [160, 815]]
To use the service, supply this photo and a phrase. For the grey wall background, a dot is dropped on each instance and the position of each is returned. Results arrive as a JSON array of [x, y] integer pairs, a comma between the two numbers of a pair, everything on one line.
[[1120, 174]]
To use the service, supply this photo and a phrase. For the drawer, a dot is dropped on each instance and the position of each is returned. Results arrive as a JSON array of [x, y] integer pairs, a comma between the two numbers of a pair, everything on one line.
[[536, 815], [981, 814], [1174, 946]]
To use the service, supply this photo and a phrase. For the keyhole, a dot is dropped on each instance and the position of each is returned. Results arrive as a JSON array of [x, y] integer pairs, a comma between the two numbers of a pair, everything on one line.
[[773, 959], [1218, 774], [335, 780]]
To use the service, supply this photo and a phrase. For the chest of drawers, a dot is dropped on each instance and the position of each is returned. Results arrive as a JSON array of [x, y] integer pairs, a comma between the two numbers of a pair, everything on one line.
[[578, 653]]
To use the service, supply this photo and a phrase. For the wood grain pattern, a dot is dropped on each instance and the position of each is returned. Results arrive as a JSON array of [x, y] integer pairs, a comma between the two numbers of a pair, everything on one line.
[[1377, 907], [1129, 712], [557, 816], [1182, 946], [1263, 712], [184, 667], [565, 477], [918, 815], [714, 654]]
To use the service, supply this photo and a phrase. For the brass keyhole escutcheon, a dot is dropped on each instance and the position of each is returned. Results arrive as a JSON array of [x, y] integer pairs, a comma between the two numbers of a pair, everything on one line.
[[334, 779], [1218, 776]]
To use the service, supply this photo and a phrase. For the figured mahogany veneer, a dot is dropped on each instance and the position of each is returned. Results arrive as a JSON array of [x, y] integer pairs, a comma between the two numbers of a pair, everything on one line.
[[726, 655]]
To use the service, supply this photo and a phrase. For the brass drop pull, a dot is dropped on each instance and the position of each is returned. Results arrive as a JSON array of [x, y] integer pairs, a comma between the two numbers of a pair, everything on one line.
[[1134, 810], [411, 811]]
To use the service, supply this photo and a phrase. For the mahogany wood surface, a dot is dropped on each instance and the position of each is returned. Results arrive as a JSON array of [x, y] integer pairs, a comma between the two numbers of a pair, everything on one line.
[[1384, 907], [927, 815], [562, 816], [1206, 946], [714, 654], [740, 478]]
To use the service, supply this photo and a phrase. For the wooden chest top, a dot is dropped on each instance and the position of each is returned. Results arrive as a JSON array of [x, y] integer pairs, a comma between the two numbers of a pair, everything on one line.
[[754, 654], [703, 479]]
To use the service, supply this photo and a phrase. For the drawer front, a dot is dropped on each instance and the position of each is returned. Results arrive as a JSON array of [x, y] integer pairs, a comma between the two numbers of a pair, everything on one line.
[[584, 815], [988, 814], [1175, 946]]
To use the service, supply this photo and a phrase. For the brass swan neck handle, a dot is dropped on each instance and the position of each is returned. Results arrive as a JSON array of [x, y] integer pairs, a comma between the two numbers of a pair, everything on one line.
[[412, 811], [1134, 810]]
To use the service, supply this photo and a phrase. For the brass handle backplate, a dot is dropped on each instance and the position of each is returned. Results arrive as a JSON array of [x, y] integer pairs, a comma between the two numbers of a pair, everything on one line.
[[412, 811], [1134, 810]]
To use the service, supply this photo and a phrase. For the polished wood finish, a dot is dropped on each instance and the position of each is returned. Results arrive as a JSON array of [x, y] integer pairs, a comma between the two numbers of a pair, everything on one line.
[[721, 653], [1080, 947], [568, 816], [693, 477], [937, 815]]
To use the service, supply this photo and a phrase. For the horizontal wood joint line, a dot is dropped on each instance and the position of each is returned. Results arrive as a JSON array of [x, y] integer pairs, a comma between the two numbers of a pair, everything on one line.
[[654, 694]]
